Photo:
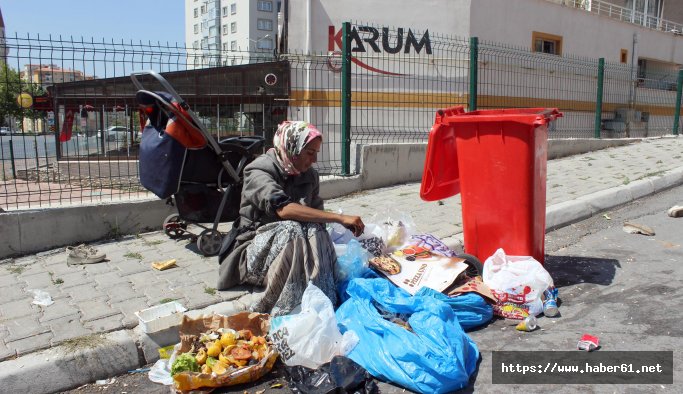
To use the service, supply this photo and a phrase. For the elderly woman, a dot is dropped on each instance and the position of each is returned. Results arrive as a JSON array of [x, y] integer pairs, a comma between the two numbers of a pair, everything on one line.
[[282, 243]]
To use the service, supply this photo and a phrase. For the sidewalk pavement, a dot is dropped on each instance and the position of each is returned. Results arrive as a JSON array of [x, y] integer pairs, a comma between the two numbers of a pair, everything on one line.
[[90, 331]]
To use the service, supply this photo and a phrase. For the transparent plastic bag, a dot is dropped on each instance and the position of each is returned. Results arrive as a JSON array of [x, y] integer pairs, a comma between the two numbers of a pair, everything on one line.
[[392, 226], [353, 263]]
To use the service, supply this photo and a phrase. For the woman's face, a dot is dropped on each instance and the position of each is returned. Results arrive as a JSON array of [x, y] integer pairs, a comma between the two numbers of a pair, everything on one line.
[[308, 156]]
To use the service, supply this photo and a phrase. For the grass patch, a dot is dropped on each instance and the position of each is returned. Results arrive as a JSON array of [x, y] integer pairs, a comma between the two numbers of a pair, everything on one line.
[[85, 342], [153, 242], [209, 290], [659, 162], [650, 174], [16, 269], [55, 281], [626, 181], [135, 255], [555, 185], [167, 300]]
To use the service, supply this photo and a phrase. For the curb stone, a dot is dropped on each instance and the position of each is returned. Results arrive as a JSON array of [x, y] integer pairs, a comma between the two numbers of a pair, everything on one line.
[[80, 361]]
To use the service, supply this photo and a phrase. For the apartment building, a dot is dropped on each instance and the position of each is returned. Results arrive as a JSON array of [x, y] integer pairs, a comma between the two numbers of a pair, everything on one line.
[[49, 74], [3, 47], [226, 32]]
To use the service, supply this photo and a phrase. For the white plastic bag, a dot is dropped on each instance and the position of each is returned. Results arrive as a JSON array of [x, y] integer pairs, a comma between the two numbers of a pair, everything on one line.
[[311, 337], [516, 280], [41, 297], [160, 372]]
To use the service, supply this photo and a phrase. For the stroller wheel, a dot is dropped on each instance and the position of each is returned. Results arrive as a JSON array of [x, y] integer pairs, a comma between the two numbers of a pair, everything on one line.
[[474, 266], [173, 226], [209, 242]]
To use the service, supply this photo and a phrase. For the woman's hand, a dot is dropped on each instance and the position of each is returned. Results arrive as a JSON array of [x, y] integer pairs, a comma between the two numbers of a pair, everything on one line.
[[302, 213], [353, 223]]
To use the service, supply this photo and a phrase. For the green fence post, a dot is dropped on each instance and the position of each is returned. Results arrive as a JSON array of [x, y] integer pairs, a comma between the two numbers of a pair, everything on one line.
[[474, 64], [598, 99], [346, 98], [11, 157], [677, 110]]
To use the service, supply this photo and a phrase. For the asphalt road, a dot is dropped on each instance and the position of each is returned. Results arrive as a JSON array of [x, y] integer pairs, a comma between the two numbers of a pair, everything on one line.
[[621, 287]]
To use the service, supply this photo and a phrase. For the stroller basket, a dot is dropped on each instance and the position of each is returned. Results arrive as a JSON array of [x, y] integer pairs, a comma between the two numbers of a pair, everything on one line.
[[180, 158]]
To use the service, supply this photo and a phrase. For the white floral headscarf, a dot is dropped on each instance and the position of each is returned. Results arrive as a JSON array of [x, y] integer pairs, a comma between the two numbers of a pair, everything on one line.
[[290, 139]]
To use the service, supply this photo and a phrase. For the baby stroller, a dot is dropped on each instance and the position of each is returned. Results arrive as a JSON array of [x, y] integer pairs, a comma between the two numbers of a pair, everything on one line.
[[181, 162]]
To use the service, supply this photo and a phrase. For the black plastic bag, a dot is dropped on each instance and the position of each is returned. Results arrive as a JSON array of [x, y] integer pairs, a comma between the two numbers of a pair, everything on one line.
[[340, 376]]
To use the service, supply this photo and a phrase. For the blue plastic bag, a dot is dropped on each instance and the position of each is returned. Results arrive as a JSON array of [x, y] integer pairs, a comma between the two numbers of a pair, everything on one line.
[[437, 357], [470, 308]]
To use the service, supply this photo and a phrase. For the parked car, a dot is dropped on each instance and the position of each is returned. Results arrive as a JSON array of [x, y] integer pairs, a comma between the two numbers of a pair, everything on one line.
[[116, 133], [5, 131]]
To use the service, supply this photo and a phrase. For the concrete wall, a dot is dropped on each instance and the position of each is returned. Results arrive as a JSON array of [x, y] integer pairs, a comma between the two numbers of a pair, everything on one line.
[[37, 230], [381, 165]]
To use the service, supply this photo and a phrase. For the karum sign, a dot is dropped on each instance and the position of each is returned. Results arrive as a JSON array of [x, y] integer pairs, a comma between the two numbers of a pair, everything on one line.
[[367, 38]]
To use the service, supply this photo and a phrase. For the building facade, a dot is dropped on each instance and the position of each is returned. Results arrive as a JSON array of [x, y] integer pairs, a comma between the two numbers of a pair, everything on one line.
[[226, 32], [637, 42], [46, 75]]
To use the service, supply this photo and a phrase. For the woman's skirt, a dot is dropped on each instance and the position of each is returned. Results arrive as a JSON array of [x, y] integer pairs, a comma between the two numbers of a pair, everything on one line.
[[283, 257]]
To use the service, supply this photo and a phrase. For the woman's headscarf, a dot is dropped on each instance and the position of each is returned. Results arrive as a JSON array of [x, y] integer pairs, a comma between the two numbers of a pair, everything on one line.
[[290, 139]]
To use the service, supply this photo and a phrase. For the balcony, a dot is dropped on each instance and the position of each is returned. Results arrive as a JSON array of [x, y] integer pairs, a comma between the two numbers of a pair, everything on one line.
[[623, 14]]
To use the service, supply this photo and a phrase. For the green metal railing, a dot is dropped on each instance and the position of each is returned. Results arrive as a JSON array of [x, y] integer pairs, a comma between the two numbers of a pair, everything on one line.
[[384, 85]]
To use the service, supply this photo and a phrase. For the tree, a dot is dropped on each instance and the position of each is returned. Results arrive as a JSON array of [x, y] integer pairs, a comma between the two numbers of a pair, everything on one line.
[[11, 86]]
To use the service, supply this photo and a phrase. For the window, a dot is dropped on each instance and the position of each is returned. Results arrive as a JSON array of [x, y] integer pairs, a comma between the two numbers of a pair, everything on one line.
[[264, 24], [624, 56], [225, 11], [195, 45], [225, 46], [546, 43], [265, 44], [265, 6], [225, 29], [196, 12], [203, 9], [196, 28], [233, 27], [233, 45], [212, 31], [233, 8]]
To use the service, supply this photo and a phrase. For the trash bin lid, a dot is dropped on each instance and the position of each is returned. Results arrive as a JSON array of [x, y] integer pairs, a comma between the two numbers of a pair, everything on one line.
[[441, 176]]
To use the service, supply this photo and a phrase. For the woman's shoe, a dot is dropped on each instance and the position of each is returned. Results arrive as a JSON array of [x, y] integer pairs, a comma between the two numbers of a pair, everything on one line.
[[83, 254]]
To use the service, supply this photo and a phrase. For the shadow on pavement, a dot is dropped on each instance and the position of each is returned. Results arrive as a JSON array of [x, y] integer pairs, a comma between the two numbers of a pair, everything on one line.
[[571, 270]]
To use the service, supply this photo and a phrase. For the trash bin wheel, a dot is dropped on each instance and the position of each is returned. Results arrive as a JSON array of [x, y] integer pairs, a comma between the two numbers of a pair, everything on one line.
[[209, 242], [173, 226], [474, 266]]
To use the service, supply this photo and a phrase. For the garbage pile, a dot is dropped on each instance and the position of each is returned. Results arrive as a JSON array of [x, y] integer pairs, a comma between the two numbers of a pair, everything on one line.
[[407, 301]]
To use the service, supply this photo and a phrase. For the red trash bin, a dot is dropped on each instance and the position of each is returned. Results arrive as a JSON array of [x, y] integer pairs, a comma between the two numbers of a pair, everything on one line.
[[496, 160]]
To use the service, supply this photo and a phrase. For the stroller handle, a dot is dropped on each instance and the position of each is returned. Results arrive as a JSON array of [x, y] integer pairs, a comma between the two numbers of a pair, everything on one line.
[[170, 90], [164, 83]]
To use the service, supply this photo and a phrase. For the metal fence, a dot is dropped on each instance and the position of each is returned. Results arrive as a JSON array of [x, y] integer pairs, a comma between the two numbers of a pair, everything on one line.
[[78, 141]]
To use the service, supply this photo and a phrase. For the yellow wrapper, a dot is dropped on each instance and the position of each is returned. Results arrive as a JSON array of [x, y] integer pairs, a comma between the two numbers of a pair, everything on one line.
[[162, 265]]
